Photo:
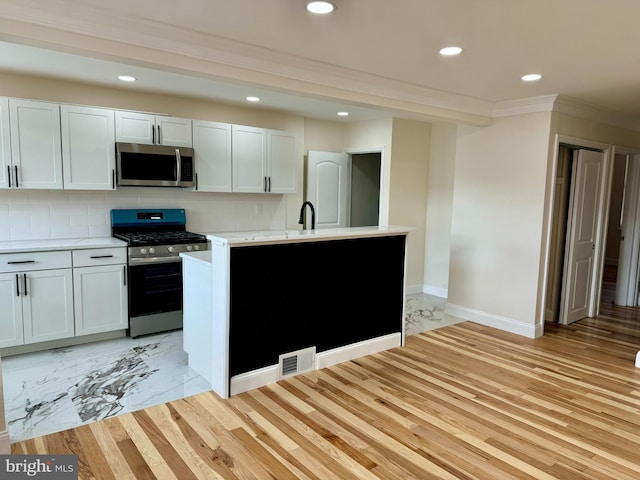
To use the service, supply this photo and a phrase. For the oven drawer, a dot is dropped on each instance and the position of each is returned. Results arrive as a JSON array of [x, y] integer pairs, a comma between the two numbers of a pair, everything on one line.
[[25, 262], [99, 256]]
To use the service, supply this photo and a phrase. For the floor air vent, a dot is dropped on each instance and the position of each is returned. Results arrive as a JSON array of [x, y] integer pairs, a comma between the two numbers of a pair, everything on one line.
[[300, 361]]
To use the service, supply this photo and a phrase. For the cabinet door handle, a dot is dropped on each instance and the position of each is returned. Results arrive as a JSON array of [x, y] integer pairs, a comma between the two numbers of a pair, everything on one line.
[[17, 262], [101, 256], [24, 277], [153, 134], [17, 285], [124, 268], [269, 189], [9, 174], [196, 181], [113, 179], [159, 140], [265, 184], [16, 169]]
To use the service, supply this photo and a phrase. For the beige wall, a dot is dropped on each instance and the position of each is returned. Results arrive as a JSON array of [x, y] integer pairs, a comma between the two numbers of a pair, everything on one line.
[[498, 207], [439, 208], [408, 191]]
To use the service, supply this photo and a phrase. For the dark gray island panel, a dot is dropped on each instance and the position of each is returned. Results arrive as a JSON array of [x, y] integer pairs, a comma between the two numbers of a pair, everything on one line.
[[258, 300], [327, 294]]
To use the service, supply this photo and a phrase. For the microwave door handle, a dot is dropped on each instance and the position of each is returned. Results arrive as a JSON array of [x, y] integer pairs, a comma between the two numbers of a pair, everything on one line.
[[178, 169]]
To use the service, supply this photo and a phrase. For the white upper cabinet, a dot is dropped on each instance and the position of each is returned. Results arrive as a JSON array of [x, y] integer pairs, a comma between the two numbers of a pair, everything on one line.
[[249, 153], [36, 153], [212, 146], [264, 161], [282, 167], [5, 144], [88, 148], [134, 127]]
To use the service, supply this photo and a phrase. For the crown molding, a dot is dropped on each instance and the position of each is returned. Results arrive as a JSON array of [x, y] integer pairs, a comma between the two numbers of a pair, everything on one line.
[[566, 105], [521, 106], [579, 108], [202, 53]]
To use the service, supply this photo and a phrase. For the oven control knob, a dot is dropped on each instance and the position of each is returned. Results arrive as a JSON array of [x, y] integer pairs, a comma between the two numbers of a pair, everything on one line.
[[196, 247], [152, 250], [171, 249], [143, 251], [189, 248]]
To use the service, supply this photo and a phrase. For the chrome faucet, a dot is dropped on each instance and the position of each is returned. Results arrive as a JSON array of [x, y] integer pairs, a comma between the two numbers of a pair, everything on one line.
[[303, 216]]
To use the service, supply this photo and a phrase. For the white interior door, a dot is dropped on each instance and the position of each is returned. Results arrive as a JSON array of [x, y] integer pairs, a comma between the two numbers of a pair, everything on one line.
[[628, 261], [582, 232], [328, 188]]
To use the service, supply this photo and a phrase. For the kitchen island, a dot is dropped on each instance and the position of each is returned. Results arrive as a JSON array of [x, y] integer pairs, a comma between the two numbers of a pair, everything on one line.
[[261, 306]]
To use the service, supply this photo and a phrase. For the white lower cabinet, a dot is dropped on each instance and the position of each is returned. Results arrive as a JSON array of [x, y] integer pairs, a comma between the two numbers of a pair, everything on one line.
[[100, 290], [40, 306], [61, 294], [11, 331], [47, 305], [100, 299]]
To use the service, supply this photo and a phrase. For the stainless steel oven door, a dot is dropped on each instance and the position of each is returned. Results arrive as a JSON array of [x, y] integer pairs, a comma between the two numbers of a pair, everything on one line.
[[155, 296]]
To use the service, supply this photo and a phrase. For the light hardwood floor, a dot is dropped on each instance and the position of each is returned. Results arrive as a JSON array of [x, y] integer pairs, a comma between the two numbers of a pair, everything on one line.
[[461, 402]]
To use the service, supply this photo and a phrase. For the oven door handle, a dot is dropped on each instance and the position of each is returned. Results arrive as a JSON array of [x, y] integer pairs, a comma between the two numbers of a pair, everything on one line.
[[152, 260]]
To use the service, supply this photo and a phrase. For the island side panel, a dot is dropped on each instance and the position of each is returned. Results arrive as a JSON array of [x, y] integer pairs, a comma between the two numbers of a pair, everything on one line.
[[197, 315], [220, 262], [327, 294]]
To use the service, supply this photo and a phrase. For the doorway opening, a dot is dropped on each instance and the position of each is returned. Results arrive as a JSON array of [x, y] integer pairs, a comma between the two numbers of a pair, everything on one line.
[[577, 233], [365, 189], [344, 188]]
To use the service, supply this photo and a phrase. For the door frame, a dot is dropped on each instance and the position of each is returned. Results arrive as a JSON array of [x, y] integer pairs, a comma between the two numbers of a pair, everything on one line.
[[603, 217], [629, 256]]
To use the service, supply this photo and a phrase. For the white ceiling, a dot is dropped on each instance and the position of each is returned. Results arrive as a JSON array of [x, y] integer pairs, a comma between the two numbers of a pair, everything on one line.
[[369, 57]]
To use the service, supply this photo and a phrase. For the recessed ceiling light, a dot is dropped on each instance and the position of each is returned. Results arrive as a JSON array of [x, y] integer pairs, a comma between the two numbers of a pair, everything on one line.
[[320, 8], [450, 51], [343, 114], [531, 77], [126, 78], [253, 99]]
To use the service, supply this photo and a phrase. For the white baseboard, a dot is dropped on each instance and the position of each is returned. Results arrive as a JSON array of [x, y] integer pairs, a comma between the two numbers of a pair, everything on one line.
[[5, 443], [264, 376], [495, 321], [435, 291], [412, 289], [356, 350]]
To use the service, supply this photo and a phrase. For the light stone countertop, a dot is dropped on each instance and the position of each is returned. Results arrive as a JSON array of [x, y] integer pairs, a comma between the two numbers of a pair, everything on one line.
[[45, 245], [200, 257], [292, 236]]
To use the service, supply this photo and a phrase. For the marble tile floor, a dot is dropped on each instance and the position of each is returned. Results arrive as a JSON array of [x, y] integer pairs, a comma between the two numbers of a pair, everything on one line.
[[57, 389]]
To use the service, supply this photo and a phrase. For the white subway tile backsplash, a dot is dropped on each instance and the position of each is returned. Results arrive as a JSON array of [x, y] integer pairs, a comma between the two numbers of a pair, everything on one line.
[[22, 209], [70, 209], [33, 215], [48, 197], [5, 232], [70, 232]]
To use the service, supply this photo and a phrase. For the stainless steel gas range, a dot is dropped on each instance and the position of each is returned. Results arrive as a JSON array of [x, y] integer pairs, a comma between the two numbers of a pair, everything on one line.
[[155, 238]]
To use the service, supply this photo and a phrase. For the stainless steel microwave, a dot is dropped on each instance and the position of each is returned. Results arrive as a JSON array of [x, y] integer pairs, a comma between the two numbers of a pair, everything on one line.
[[154, 165]]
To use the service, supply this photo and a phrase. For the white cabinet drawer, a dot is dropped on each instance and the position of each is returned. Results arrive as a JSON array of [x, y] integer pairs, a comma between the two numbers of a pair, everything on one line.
[[99, 256], [25, 262]]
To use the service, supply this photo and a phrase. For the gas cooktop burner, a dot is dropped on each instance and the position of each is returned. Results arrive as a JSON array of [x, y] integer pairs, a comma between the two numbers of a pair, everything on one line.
[[160, 238]]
